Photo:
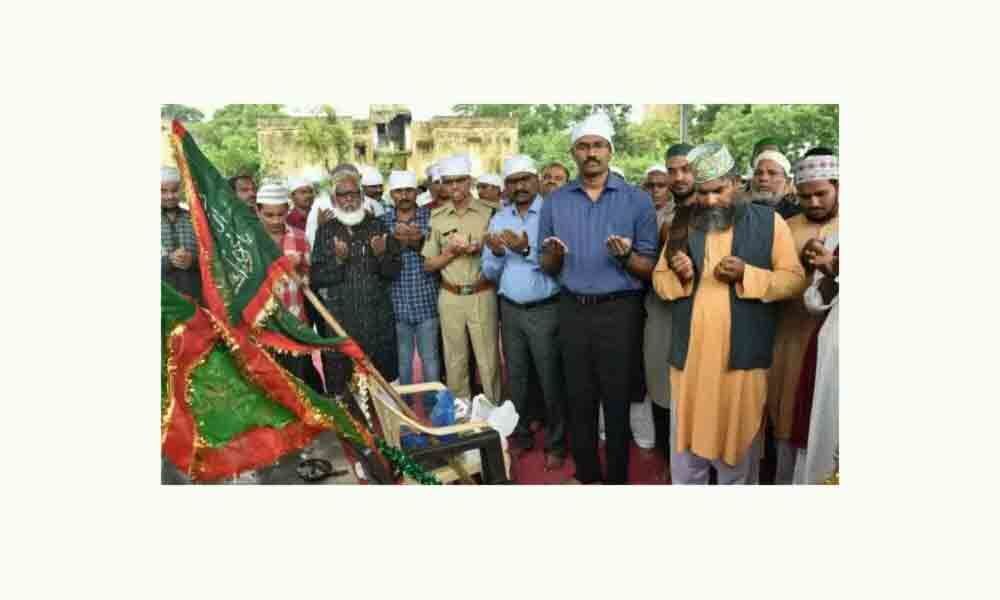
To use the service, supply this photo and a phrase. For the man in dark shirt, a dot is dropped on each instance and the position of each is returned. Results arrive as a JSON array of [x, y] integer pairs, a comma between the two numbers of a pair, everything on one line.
[[355, 260]]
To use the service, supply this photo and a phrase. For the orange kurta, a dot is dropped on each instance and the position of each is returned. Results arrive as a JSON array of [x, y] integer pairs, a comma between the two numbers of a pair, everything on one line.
[[718, 410], [795, 326]]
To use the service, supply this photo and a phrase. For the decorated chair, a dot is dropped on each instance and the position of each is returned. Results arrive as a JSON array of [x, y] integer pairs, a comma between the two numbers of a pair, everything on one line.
[[449, 461]]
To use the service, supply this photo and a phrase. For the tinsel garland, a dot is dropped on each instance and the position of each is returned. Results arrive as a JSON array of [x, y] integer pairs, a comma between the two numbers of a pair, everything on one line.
[[405, 464]]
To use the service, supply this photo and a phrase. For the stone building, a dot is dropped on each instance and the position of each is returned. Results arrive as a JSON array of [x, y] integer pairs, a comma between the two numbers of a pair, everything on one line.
[[390, 139]]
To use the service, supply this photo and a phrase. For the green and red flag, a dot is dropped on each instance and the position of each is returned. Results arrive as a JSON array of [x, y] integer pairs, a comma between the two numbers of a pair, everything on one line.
[[227, 404]]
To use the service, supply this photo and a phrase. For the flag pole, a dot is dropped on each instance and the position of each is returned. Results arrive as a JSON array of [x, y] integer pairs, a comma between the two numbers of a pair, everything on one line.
[[382, 383], [335, 325]]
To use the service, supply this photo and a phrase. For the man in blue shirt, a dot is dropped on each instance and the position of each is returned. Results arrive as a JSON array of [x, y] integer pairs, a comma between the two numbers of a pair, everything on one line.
[[529, 315], [598, 235], [415, 292]]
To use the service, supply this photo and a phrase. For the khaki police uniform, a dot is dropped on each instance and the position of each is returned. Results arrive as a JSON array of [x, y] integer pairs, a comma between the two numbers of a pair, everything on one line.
[[466, 301]]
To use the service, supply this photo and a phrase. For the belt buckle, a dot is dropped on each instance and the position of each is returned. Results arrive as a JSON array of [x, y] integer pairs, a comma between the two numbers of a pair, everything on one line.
[[466, 290]]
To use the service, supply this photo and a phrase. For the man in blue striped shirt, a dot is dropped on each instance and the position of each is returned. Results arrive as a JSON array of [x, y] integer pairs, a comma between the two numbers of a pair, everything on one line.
[[528, 307], [598, 234], [415, 292]]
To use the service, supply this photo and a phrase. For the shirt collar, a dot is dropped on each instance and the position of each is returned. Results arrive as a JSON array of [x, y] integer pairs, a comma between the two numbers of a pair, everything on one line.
[[393, 213], [473, 205], [536, 206], [613, 182]]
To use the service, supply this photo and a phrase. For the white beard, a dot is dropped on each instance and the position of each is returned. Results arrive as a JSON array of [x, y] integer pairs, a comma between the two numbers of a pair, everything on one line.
[[349, 218]]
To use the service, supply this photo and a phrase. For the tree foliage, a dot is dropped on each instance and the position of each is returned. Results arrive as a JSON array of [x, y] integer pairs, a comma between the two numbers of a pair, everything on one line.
[[536, 119], [181, 112], [324, 138], [543, 129], [229, 138], [797, 127]]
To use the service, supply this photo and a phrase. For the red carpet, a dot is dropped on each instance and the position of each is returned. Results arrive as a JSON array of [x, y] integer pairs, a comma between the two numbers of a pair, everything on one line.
[[644, 468], [528, 468]]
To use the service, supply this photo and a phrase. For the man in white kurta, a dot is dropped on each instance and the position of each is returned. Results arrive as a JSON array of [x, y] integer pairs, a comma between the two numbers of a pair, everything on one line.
[[819, 459]]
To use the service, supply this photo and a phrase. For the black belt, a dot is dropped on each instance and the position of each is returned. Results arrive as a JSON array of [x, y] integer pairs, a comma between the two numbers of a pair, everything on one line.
[[602, 298], [528, 305]]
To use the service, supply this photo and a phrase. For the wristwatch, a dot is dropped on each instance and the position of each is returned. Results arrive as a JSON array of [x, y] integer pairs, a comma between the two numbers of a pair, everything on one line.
[[527, 251]]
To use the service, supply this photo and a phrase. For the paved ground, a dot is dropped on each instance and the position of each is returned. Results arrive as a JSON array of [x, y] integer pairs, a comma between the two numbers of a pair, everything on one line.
[[326, 445]]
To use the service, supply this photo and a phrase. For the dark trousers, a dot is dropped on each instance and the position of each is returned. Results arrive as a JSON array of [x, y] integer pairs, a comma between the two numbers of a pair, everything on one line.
[[536, 399], [530, 343], [602, 356], [337, 370], [661, 421]]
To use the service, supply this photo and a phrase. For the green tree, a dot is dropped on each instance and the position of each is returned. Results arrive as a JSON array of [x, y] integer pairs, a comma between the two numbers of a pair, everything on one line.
[[532, 118], [651, 138], [229, 138], [324, 136], [181, 112], [545, 118], [548, 147], [543, 129], [702, 118], [797, 127]]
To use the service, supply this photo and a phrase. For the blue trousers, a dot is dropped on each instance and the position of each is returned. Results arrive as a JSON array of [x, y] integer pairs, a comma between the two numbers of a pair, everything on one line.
[[422, 337]]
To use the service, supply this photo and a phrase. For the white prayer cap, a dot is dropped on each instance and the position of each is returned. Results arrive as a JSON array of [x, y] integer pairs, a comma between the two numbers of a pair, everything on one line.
[[295, 183], [596, 124], [777, 157], [455, 166], [371, 176], [169, 175], [817, 167], [656, 169], [519, 163], [424, 199], [491, 179], [272, 193], [399, 180], [433, 171], [314, 174]]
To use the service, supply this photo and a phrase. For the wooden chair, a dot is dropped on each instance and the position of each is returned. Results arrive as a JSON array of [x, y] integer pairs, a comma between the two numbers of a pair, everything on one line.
[[491, 462]]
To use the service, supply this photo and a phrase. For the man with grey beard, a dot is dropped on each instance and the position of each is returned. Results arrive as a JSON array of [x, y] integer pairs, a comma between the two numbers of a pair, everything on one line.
[[356, 259], [739, 258], [771, 183]]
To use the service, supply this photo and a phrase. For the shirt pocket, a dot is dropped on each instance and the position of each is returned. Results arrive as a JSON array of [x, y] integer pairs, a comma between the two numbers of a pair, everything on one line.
[[620, 225]]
